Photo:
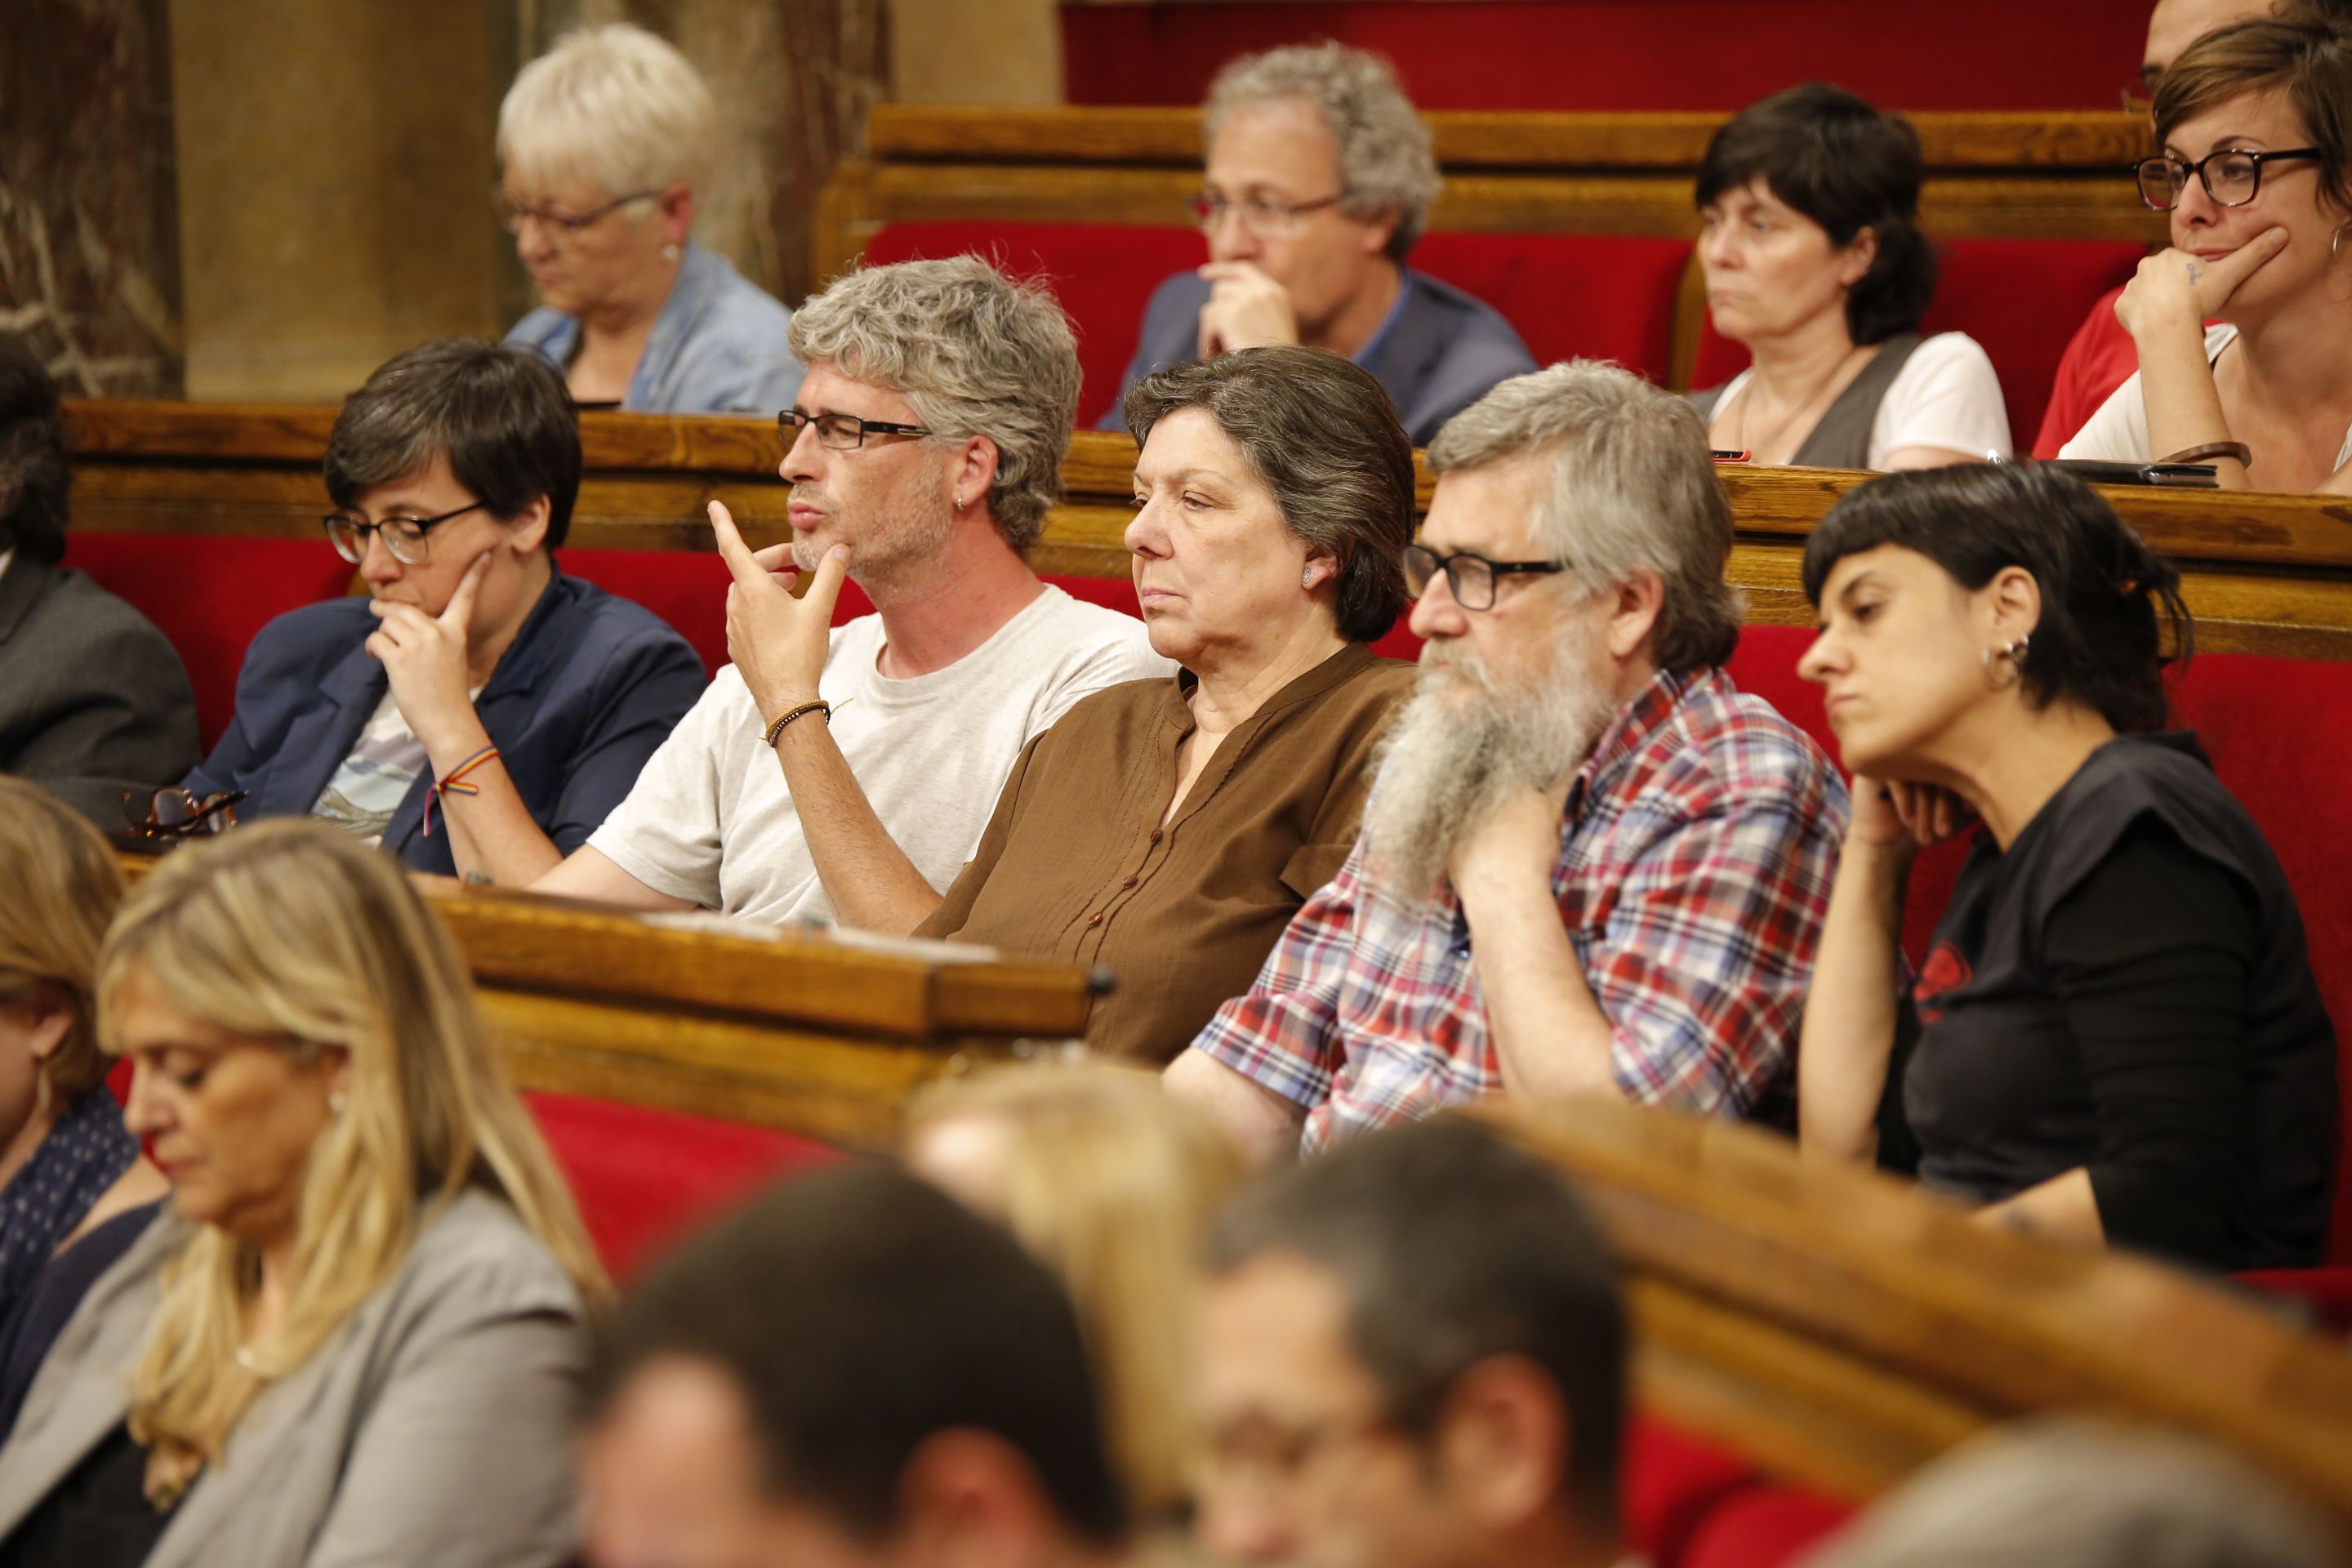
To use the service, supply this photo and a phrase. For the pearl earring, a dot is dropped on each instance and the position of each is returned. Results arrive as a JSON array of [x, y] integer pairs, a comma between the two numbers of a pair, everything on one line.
[[669, 251], [336, 1100], [1307, 578]]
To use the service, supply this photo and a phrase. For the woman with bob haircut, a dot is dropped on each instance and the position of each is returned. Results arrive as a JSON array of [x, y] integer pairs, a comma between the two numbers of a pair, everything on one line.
[[1169, 828], [1112, 1185], [358, 1335], [604, 141], [2255, 126], [2118, 1039], [74, 1189], [478, 713], [1810, 247]]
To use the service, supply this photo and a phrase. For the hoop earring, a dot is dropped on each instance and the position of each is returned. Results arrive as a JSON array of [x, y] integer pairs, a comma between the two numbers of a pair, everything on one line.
[[2015, 653], [2335, 240]]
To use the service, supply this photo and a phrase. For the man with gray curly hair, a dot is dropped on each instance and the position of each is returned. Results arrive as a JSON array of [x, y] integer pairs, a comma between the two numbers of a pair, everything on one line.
[[1588, 862], [1319, 178], [923, 451]]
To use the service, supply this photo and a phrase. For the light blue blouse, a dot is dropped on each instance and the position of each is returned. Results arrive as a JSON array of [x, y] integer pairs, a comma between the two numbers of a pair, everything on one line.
[[717, 347]]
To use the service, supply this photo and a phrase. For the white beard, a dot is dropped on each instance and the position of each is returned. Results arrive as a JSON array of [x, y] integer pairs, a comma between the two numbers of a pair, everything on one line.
[[1450, 758]]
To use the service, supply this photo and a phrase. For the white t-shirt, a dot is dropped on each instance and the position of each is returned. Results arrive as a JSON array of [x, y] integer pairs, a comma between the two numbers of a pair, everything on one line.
[[710, 819], [366, 791], [2117, 433], [1946, 395]]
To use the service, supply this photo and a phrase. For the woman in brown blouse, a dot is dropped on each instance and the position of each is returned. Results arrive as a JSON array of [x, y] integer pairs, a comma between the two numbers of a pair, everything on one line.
[[1167, 829]]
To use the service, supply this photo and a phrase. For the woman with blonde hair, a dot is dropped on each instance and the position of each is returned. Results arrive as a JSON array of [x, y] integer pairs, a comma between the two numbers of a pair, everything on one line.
[[74, 1191], [602, 141], [358, 1335], [1112, 1185]]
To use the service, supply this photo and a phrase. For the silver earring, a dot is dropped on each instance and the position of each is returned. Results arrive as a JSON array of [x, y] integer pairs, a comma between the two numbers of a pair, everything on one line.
[[2015, 654], [669, 251], [1307, 578], [336, 1100], [2335, 240]]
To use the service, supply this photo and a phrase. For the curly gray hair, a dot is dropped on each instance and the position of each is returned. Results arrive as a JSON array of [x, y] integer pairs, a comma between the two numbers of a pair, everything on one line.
[[977, 352], [1385, 162], [1633, 489]]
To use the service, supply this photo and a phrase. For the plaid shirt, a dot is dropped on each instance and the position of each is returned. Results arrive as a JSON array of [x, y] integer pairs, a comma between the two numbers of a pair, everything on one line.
[[1700, 839]]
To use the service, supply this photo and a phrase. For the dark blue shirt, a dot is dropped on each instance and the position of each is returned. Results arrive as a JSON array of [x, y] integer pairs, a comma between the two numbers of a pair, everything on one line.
[[589, 690]]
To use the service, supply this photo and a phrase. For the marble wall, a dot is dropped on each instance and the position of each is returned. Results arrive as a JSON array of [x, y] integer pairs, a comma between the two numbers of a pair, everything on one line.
[[89, 258]]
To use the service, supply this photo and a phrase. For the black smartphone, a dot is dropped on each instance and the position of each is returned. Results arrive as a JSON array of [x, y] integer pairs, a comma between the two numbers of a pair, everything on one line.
[[2174, 475]]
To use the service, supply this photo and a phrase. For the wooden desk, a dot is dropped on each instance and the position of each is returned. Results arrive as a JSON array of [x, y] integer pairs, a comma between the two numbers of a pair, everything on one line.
[[1844, 1327], [2265, 573]]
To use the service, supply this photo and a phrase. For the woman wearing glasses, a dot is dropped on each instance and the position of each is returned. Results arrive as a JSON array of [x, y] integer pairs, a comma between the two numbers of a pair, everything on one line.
[[602, 141], [2256, 170], [1167, 829], [480, 712], [1814, 258], [358, 1334]]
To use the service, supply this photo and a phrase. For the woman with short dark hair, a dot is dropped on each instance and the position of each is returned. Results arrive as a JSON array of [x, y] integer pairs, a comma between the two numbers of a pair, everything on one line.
[[93, 699], [479, 713], [1810, 247], [1169, 828], [2118, 1037]]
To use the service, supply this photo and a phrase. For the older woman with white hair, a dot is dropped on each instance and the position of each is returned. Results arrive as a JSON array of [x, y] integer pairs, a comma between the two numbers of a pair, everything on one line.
[[1318, 180], [359, 1335], [602, 141]]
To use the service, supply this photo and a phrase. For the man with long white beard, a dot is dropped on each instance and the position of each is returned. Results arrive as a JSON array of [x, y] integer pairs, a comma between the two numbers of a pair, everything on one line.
[[1589, 863]]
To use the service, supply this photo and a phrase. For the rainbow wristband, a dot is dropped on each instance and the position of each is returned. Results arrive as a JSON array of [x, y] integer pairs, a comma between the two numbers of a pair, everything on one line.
[[455, 784]]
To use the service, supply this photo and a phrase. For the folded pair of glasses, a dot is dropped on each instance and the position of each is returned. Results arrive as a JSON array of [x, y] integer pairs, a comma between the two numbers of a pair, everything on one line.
[[181, 814]]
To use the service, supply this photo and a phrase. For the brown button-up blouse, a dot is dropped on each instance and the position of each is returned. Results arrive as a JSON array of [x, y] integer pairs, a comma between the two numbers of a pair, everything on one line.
[[1076, 866]]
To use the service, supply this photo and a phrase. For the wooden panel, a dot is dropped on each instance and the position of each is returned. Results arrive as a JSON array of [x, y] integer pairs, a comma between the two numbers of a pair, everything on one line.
[[1850, 1325]]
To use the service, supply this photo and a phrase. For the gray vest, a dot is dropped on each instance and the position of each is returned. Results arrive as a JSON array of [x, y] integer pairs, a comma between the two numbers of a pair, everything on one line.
[[1842, 438]]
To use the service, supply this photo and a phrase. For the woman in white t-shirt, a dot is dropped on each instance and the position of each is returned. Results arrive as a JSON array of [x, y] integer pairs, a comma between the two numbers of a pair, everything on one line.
[[1814, 258], [2254, 173]]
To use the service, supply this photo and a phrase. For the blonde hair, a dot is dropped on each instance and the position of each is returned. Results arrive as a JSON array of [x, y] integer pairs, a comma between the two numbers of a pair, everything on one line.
[[615, 107], [1112, 1185], [292, 931], [62, 883]]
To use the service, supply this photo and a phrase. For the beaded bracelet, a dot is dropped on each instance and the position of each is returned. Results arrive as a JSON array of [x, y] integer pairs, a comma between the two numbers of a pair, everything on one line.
[[455, 784], [819, 706]]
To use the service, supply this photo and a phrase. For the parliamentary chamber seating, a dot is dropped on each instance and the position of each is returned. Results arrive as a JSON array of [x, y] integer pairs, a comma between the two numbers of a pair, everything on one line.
[[210, 531]]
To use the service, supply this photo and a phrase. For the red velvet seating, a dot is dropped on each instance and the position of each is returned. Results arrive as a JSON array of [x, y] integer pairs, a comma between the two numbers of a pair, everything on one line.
[[1591, 296], [2022, 298]]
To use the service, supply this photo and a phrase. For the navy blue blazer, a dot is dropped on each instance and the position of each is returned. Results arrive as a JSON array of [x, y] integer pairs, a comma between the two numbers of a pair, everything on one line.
[[590, 686], [1446, 351]]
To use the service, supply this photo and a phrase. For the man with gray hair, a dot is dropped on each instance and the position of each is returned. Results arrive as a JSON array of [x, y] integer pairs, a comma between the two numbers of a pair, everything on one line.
[[1588, 862], [924, 450], [1320, 179]]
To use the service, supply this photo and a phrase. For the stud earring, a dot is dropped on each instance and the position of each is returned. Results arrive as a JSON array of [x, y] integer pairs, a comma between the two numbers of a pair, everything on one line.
[[1307, 578], [669, 251], [336, 1100]]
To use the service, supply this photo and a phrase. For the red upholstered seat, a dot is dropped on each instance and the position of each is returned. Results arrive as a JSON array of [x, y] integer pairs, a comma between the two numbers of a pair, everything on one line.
[[2022, 298], [209, 596], [644, 1177], [1668, 1483], [1569, 295], [1764, 1527]]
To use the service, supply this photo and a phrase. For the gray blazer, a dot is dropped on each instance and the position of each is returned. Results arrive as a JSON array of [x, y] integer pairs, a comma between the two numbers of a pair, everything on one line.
[[434, 1428], [1445, 352], [93, 699]]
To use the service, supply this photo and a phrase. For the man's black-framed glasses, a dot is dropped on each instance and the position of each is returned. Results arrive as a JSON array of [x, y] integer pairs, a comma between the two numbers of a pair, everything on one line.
[[408, 538], [1470, 578], [1258, 215], [2231, 177], [175, 813], [513, 213], [841, 432]]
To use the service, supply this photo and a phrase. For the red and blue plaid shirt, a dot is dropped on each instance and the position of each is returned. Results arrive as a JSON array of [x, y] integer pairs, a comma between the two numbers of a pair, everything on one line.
[[1700, 841]]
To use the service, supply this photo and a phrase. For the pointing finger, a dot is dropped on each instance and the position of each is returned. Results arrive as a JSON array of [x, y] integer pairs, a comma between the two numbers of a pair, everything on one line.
[[732, 546], [458, 617]]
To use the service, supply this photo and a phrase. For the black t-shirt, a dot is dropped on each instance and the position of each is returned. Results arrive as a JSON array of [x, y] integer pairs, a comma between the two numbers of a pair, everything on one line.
[[2126, 990]]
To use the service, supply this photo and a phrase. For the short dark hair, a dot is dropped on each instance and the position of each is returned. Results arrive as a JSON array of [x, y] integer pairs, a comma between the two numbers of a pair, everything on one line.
[[860, 1311], [1452, 1246], [2107, 600], [1321, 432], [1841, 164], [32, 456], [502, 417]]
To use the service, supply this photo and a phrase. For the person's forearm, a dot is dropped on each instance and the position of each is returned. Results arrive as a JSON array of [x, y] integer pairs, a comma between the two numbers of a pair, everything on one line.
[[2063, 1209], [493, 838], [2184, 405], [871, 883], [1850, 1011], [1263, 1125], [1550, 1037]]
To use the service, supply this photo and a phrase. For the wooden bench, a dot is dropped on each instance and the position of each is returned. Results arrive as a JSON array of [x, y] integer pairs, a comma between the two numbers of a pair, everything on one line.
[[1845, 1328], [2269, 574]]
